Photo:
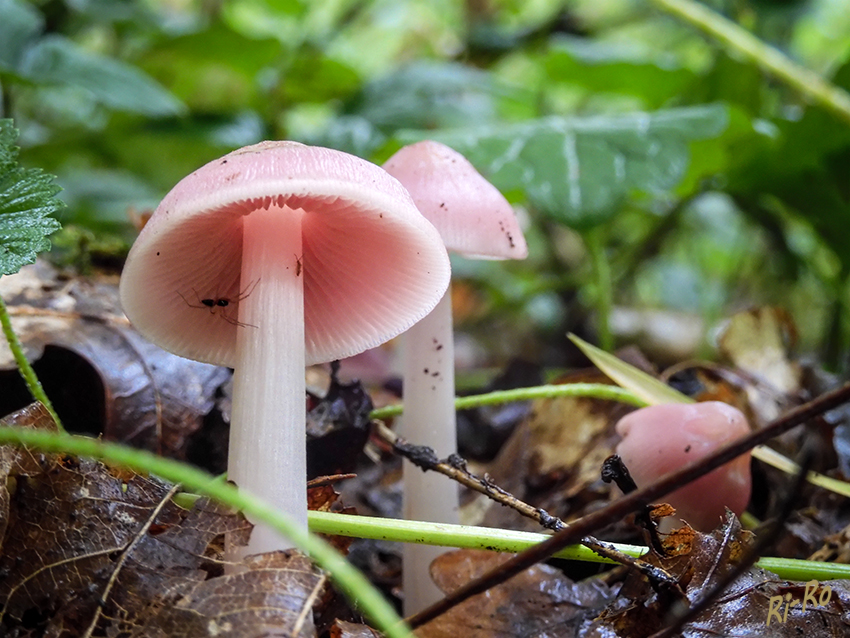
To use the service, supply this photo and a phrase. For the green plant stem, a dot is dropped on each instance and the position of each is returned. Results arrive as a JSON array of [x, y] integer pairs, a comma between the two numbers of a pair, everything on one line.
[[769, 59], [350, 580], [501, 540], [446, 535], [594, 241], [591, 390], [24, 366]]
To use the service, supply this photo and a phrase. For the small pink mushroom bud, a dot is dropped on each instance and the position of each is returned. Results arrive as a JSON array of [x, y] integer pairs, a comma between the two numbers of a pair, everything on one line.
[[662, 438]]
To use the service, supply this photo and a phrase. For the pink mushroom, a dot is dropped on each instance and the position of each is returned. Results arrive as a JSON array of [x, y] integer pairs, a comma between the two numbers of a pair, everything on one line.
[[475, 221], [661, 438], [275, 256]]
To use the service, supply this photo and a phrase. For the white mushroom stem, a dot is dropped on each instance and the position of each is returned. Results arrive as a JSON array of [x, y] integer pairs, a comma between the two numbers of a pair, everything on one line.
[[429, 419], [267, 430]]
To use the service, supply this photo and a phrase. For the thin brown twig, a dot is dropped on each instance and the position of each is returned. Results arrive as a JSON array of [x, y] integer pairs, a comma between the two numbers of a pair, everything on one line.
[[455, 468], [631, 502]]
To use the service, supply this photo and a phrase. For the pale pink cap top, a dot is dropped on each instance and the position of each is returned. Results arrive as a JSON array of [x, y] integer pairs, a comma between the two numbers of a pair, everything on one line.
[[473, 217], [372, 264]]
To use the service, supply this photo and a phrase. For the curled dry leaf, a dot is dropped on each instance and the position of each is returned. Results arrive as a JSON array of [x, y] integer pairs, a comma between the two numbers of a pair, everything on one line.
[[102, 377], [325, 498], [337, 427]]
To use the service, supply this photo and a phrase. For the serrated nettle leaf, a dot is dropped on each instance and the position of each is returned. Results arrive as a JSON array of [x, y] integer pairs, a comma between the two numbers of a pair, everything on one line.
[[27, 198], [578, 170]]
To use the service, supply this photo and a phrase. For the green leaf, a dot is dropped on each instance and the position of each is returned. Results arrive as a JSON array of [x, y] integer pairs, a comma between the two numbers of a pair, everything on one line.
[[99, 199], [648, 388], [215, 70], [27, 197], [732, 81], [805, 168], [429, 95], [115, 84], [315, 77], [579, 170], [21, 23], [616, 68]]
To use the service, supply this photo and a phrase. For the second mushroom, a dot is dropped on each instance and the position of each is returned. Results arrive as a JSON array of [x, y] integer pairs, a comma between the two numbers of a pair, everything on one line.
[[475, 221]]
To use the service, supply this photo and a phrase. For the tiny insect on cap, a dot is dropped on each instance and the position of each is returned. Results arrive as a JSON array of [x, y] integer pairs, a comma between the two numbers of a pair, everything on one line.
[[372, 264], [473, 217]]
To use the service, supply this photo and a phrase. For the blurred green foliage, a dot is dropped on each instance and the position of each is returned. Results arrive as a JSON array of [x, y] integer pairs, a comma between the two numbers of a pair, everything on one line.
[[710, 185]]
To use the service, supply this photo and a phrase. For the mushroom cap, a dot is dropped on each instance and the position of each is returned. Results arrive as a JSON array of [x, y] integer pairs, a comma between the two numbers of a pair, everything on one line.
[[372, 264], [472, 216], [662, 438]]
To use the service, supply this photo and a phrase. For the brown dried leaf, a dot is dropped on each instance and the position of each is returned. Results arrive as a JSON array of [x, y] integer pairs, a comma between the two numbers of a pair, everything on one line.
[[273, 597], [103, 377], [744, 607], [835, 548], [538, 602], [67, 525], [573, 434], [678, 542], [83, 542], [758, 342], [323, 498]]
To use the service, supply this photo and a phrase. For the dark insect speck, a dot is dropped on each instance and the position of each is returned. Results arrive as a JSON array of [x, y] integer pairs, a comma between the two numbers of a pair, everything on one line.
[[688, 449], [425, 370]]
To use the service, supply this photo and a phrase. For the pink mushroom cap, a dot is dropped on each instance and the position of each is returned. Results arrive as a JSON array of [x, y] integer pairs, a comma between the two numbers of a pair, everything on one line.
[[662, 438], [372, 264], [473, 217]]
